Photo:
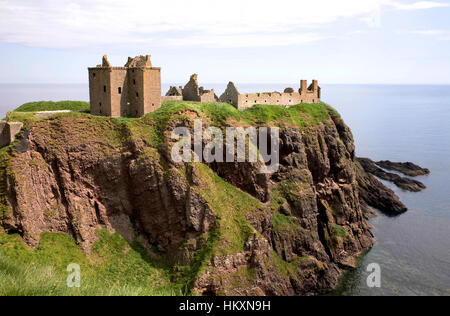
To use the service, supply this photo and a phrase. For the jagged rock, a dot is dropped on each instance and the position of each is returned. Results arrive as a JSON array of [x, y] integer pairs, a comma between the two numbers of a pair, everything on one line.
[[373, 193], [407, 168], [401, 182]]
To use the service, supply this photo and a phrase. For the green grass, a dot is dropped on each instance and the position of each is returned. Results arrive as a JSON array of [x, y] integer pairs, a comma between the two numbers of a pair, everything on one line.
[[151, 127], [231, 230], [53, 106], [280, 221], [222, 114], [231, 206], [113, 268], [339, 231], [5, 158], [302, 115], [26, 113], [286, 268]]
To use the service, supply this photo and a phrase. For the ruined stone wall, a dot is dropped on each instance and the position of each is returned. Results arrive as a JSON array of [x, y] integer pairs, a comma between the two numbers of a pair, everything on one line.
[[175, 92], [191, 90], [208, 97], [273, 98], [152, 90], [286, 99], [100, 91], [231, 95], [171, 98], [312, 94], [8, 132]]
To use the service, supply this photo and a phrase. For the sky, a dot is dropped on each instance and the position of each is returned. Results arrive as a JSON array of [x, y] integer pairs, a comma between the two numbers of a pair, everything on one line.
[[245, 41]]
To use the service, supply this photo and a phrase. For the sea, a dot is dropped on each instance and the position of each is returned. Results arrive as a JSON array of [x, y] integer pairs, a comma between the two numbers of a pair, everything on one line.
[[389, 122]]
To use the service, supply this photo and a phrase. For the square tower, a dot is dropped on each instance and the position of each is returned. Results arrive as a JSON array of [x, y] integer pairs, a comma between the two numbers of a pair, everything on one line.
[[130, 91]]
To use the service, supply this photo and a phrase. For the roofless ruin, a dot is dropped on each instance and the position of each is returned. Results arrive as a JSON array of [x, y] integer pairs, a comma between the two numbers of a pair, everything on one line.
[[135, 90]]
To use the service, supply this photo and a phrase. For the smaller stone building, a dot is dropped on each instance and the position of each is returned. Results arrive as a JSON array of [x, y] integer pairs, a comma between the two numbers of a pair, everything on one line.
[[289, 97]]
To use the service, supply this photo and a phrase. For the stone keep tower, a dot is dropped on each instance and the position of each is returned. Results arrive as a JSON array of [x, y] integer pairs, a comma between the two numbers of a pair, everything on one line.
[[133, 90]]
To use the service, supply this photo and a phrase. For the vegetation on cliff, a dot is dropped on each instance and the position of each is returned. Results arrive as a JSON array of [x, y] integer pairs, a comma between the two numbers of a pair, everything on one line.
[[53, 106], [186, 228], [113, 268]]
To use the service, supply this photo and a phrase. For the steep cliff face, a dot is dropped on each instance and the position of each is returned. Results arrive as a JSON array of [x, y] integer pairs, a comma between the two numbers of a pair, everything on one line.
[[226, 229]]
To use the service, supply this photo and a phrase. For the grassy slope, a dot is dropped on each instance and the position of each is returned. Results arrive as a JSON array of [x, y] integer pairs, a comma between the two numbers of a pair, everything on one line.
[[114, 267]]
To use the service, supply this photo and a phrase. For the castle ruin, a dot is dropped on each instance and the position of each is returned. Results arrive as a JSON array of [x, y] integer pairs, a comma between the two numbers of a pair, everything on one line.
[[191, 92], [288, 98], [174, 94], [133, 90]]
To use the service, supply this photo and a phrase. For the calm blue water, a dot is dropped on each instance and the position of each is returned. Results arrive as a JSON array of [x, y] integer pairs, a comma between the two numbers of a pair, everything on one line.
[[399, 123]]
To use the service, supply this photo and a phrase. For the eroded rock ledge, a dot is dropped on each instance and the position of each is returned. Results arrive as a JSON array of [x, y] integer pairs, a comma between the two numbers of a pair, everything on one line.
[[407, 168], [402, 182]]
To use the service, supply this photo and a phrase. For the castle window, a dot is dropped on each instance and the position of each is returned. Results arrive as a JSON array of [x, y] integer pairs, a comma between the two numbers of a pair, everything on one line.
[[104, 88], [134, 81], [119, 90], [137, 94], [100, 104], [93, 74]]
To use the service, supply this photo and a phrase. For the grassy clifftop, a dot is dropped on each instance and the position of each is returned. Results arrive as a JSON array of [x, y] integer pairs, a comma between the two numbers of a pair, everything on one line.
[[53, 106], [115, 267], [151, 126], [220, 113]]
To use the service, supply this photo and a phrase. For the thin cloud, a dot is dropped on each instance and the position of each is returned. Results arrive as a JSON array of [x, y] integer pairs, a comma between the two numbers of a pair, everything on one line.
[[442, 35], [421, 5], [231, 23]]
